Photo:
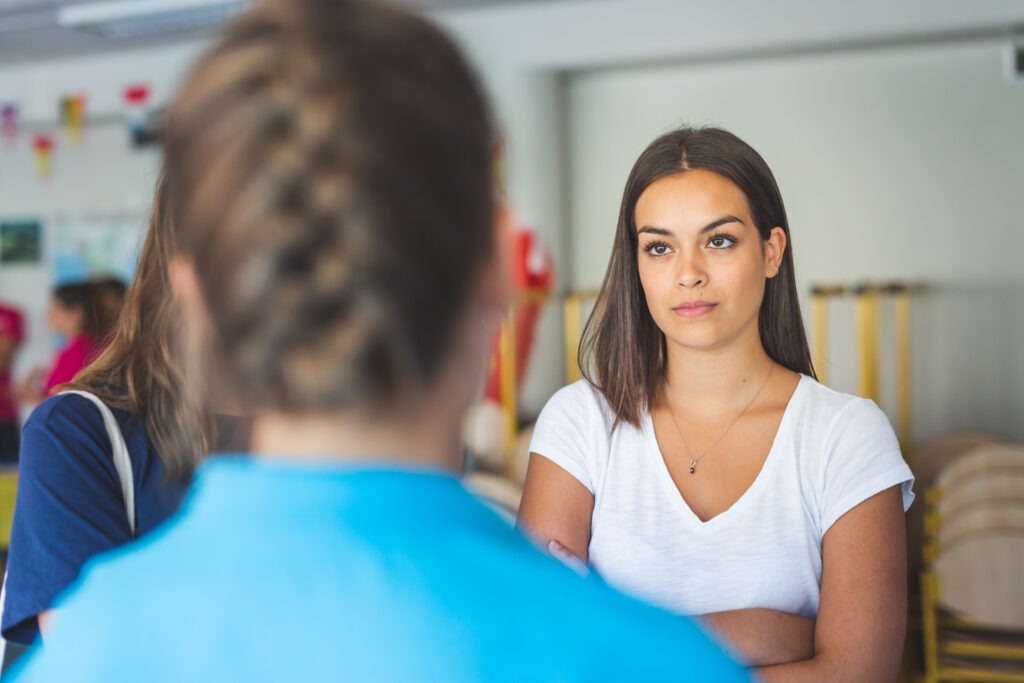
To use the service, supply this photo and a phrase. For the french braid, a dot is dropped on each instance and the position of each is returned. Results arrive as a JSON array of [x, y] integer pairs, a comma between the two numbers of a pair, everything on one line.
[[328, 166]]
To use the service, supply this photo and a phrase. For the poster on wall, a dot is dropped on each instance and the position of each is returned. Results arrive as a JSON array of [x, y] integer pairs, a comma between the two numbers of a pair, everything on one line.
[[96, 245], [20, 241]]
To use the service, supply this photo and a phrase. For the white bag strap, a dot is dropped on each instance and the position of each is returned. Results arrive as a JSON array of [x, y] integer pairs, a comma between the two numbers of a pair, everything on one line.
[[122, 463]]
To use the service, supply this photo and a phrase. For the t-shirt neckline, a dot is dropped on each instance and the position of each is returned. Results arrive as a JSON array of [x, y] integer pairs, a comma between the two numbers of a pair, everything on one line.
[[785, 426]]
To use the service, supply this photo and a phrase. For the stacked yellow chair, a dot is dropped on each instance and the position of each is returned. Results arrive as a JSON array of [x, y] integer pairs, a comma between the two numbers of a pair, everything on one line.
[[972, 581]]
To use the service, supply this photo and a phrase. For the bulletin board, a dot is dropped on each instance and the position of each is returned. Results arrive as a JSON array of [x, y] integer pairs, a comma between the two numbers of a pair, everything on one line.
[[96, 245]]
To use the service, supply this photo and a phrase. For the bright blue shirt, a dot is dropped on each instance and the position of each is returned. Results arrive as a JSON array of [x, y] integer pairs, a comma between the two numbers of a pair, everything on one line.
[[70, 507], [279, 571]]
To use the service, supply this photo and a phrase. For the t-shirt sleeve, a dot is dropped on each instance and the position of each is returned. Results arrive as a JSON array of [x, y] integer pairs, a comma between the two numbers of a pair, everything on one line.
[[69, 507], [571, 432], [862, 458]]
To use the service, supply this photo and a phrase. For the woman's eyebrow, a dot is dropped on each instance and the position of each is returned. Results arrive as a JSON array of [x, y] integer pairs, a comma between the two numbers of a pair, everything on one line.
[[650, 229], [655, 231], [720, 222]]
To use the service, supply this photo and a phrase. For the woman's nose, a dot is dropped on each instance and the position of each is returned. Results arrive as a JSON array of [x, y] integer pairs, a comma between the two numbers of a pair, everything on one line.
[[691, 272]]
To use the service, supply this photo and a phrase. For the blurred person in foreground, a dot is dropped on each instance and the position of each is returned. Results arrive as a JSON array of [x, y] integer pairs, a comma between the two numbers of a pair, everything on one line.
[[338, 263]]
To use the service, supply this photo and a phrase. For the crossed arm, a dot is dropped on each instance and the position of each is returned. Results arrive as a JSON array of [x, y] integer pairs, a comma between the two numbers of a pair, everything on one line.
[[858, 635]]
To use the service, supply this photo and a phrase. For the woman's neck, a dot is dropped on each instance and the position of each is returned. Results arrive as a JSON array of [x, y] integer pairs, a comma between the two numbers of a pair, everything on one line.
[[704, 383], [336, 437]]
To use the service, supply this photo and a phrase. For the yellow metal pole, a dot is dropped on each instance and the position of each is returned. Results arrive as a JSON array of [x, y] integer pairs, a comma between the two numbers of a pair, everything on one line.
[[819, 312], [573, 313], [867, 343], [904, 400], [508, 385]]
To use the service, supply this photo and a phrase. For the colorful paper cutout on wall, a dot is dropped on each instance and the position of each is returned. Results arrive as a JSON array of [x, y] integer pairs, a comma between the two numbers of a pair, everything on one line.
[[42, 146], [9, 115], [72, 115]]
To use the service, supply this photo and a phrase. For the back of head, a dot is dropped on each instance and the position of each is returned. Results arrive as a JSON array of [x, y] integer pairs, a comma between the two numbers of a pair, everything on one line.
[[79, 297], [329, 166]]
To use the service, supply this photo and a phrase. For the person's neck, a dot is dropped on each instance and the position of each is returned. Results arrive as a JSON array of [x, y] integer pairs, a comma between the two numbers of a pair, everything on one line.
[[704, 383], [336, 437]]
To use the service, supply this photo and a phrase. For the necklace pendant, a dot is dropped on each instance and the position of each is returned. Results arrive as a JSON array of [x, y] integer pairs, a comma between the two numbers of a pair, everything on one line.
[[693, 466]]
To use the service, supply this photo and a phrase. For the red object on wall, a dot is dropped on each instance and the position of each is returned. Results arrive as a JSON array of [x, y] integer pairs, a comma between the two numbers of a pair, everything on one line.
[[43, 145], [532, 272], [136, 105]]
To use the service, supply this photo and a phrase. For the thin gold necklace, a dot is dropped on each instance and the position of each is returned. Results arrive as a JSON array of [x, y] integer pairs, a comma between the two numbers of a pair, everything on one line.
[[689, 453]]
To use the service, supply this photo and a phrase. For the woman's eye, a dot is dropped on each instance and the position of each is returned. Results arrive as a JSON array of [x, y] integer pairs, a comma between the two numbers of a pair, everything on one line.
[[721, 242], [657, 249]]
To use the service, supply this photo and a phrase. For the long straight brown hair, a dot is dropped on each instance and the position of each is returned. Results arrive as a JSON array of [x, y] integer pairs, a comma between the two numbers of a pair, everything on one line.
[[140, 370], [622, 351]]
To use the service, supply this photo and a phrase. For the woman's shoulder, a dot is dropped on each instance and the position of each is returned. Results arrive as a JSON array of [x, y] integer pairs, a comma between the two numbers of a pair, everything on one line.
[[69, 404], [829, 405], [70, 415], [580, 400], [836, 416]]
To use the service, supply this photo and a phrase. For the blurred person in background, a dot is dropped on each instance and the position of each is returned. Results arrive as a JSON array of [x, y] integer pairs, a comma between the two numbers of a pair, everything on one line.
[[340, 265], [12, 333], [74, 317]]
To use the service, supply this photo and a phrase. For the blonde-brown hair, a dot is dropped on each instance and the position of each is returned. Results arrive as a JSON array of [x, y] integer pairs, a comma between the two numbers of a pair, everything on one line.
[[140, 370], [329, 161]]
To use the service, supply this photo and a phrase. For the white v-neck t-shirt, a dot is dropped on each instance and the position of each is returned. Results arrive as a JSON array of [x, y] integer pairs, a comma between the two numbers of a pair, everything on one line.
[[832, 451]]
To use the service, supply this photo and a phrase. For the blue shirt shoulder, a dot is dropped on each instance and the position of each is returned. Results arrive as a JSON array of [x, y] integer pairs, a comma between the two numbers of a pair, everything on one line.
[[69, 504]]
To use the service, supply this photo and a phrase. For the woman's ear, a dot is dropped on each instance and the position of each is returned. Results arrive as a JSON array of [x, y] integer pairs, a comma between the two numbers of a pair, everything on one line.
[[181, 275], [774, 250], [496, 273], [184, 283]]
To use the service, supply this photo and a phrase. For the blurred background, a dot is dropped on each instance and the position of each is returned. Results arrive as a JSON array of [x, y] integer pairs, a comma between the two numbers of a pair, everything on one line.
[[894, 129]]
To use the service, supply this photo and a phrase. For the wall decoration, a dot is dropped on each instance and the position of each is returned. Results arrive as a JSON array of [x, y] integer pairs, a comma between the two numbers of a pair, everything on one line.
[[136, 108], [42, 145], [20, 241], [72, 115], [9, 122], [85, 246]]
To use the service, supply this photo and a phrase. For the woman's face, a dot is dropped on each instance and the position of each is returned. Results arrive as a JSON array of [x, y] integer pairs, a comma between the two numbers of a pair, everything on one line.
[[64, 320], [701, 260]]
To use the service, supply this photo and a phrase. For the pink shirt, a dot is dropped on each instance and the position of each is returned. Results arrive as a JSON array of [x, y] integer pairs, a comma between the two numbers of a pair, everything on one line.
[[12, 325], [75, 356], [8, 407]]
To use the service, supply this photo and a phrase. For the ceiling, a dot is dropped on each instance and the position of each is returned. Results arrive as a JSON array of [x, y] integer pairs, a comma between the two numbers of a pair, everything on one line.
[[30, 31]]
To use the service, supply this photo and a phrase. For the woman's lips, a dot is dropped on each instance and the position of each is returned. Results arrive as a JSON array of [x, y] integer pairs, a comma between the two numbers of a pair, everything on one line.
[[693, 309]]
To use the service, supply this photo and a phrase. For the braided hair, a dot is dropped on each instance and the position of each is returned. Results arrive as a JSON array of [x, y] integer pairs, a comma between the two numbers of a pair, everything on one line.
[[329, 169]]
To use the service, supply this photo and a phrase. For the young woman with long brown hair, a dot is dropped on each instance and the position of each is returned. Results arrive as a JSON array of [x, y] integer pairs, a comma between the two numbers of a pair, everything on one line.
[[700, 465]]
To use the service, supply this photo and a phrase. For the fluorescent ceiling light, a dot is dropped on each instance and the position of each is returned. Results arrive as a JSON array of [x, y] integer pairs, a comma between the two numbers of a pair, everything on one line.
[[129, 18]]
